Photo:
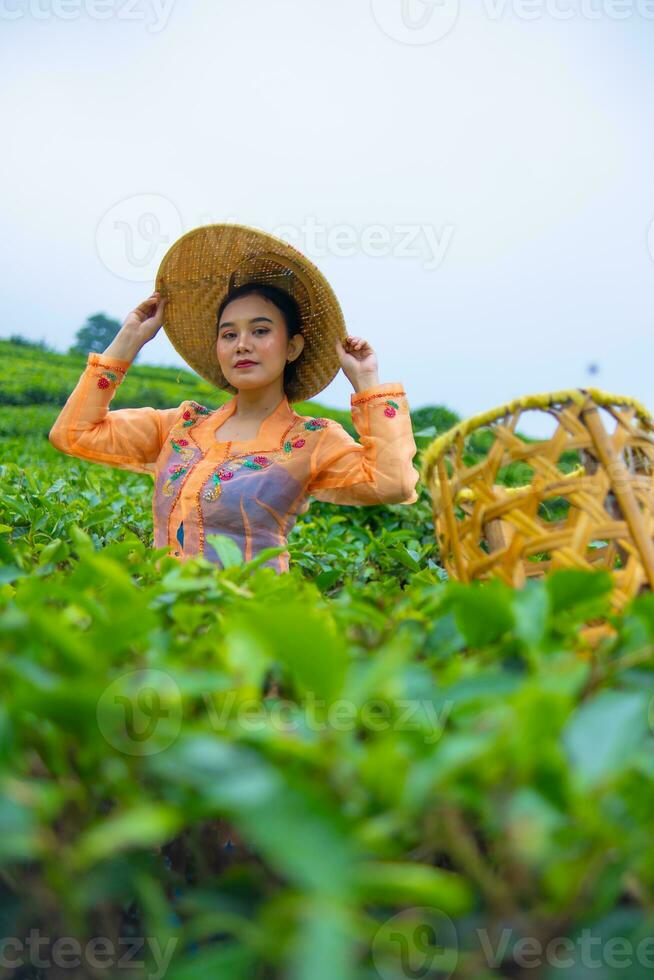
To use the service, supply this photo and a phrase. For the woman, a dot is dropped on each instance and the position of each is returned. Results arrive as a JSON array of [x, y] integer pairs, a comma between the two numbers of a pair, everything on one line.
[[247, 468]]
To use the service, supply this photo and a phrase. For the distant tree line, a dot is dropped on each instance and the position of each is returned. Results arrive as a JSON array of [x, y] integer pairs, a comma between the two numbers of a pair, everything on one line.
[[94, 337], [17, 338]]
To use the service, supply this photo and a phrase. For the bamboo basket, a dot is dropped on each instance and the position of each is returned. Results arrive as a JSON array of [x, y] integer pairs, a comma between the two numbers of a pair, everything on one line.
[[586, 499]]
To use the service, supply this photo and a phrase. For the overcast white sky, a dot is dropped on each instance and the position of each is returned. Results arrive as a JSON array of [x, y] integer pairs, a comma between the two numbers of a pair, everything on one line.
[[504, 149]]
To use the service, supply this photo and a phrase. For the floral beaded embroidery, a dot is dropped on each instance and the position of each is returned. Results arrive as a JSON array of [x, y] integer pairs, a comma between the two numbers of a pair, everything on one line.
[[189, 417], [107, 378], [188, 414], [295, 444], [225, 473], [257, 462], [174, 473], [181, 446], [315, 423]]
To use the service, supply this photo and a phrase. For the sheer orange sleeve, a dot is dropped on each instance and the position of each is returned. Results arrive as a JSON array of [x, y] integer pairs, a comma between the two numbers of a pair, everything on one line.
[[379, 470], [127, 438]]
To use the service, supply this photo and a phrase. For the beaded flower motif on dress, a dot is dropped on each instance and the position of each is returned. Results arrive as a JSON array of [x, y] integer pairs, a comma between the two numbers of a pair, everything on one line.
[[182, 446], [315, 423], [189, 417], [392, 407], [259, 461], [108, 377]]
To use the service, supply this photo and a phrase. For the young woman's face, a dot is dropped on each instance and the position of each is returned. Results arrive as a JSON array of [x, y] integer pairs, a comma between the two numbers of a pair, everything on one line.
[[252, 329]]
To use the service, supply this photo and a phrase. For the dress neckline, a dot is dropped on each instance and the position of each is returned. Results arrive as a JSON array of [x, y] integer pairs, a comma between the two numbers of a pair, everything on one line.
[[207, 432]]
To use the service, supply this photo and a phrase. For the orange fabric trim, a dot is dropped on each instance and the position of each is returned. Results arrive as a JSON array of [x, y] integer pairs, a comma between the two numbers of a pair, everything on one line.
[[192, 471], [362, 397], [248, 533], [198, 510], [280, 521], [94, 361]]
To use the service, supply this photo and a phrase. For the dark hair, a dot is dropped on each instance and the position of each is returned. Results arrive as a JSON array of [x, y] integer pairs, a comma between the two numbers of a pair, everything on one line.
[[285, 303]]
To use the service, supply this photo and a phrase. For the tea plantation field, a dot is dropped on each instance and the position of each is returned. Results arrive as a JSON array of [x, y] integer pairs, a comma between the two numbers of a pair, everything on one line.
[[351, 771]]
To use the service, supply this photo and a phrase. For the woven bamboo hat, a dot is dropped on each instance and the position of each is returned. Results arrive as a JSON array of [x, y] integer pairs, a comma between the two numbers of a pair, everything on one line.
[[200, 268]]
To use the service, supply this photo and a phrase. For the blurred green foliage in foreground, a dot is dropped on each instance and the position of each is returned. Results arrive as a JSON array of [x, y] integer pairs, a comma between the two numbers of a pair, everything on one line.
[[354, 770]]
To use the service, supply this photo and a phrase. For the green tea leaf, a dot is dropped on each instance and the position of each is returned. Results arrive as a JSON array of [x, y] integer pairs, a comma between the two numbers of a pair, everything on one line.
[[227, 549], [604, 733]]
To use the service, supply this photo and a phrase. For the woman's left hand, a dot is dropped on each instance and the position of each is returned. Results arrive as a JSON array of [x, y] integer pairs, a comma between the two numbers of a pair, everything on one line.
[[359, 362]]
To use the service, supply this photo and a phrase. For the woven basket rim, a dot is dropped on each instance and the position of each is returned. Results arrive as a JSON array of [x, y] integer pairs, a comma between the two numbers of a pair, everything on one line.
[[442, 443]]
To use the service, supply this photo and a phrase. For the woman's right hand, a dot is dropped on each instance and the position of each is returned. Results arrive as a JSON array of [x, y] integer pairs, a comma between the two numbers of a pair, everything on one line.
[[139, 327], [145, 320]]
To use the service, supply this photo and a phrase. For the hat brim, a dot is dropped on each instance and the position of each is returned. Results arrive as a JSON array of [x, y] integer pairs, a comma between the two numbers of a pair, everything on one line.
[[200, 268]]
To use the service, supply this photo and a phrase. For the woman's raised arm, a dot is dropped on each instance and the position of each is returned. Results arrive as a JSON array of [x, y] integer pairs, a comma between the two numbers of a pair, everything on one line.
[[377, 471], [127, 438]]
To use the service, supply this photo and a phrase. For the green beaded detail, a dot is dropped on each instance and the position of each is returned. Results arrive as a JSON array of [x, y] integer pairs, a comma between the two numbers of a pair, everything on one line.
[[198, 409]]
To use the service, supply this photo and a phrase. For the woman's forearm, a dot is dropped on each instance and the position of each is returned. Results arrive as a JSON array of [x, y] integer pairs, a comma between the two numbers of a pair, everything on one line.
[[364, 381], [125, 345]]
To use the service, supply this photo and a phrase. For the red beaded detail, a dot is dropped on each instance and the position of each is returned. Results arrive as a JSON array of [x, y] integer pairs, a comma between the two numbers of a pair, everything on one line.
[[107, 379], [191, 415]]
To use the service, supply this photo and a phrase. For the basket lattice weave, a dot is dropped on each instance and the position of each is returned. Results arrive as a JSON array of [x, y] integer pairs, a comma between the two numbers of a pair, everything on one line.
[[585, 500]]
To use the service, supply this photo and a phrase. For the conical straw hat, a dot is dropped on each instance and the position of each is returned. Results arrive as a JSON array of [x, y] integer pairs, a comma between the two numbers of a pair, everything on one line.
[[200, 268]]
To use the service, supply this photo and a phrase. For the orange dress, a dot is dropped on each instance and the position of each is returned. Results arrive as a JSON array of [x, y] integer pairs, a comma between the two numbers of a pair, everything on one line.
[[251, 491]]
